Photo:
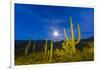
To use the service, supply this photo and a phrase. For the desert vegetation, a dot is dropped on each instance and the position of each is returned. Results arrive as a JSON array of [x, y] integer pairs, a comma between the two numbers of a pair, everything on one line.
[[48, 51]]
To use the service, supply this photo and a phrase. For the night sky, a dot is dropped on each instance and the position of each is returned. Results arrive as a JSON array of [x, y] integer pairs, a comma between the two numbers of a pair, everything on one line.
[[38, 22]]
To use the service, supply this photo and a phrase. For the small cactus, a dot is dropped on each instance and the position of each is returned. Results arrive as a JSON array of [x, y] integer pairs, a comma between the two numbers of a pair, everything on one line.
[[34, 47], [51, 50], [45, 48], [27, 47]]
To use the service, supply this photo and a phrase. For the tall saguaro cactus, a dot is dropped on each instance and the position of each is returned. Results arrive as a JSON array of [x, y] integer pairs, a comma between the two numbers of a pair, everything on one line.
[[51, 50], [72, 41]]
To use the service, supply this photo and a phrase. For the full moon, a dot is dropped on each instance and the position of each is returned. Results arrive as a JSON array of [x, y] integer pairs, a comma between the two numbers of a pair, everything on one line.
[[55, 33]]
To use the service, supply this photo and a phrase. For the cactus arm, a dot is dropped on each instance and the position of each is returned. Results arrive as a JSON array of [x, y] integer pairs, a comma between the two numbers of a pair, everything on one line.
[[71, 20], [67, 39], [79, 35]]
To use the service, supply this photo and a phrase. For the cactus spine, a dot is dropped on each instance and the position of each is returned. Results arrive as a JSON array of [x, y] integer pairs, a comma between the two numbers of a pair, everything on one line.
[[27, 47], [72, 41], [45, 48], [51, 50]]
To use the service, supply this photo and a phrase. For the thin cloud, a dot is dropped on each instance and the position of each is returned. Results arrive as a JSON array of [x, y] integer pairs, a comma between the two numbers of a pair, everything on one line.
[[54, 21]]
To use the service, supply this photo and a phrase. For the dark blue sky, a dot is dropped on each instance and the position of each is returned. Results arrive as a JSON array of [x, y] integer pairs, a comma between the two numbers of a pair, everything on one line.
[[38, 22]]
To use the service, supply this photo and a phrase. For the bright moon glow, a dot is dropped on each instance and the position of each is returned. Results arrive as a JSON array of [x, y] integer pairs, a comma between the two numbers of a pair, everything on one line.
[[55, 33]]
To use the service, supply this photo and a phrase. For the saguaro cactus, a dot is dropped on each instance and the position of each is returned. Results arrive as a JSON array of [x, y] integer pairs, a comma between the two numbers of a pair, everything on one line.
[[27, 47], [72, 41], [45, 48], [51, 50], [48, 54], [34, 46]]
